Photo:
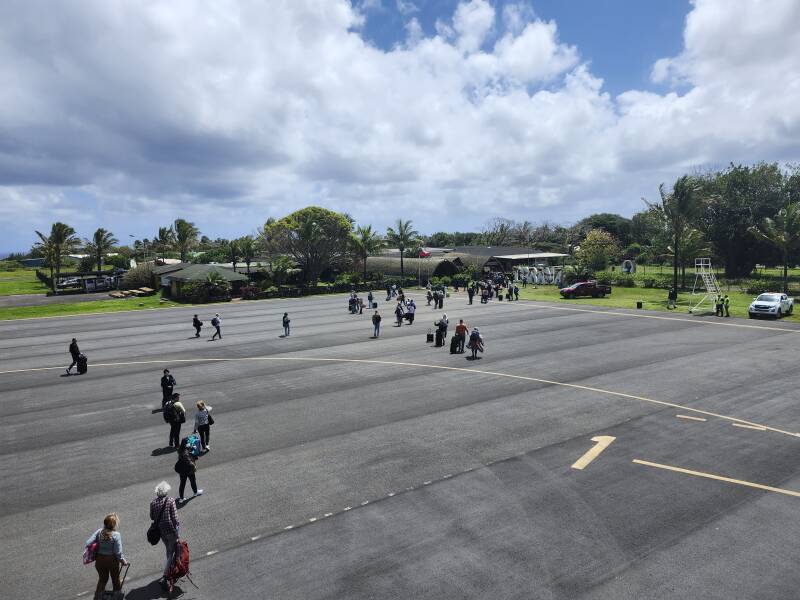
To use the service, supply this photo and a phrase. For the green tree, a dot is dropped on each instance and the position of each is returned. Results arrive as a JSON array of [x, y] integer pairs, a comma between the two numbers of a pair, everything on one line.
[[247, 250], [783, 232], [185, 237], [616, 225], [102, 243], [692, 245], [316, 238], [62, 240], [233, 252], [164, 241], [597, 249], [403, 236], [366, 242], [736, 200], [677, 210]]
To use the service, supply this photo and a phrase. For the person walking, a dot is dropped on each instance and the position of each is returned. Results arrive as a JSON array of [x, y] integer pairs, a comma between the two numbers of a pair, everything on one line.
[[74, 352], [470, 293], [217, 323], [108, 556], [718, 306], [411, 308], [461, 335], [286, 322], [186, 467], [361, 306], [516, 292], [376, 324], [168, 384], [198, 325], [175, 415], [672, 298], [399, 313], [202, 424], [370, 300], [163, 512], [726, 304], [475, 342]]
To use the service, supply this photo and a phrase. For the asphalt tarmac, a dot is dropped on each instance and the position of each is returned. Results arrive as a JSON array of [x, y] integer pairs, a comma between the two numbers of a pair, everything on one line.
[[348, 467]]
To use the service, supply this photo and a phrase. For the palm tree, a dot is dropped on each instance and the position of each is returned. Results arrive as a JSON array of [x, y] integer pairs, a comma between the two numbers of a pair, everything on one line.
[[366, 242], [185, 237], [783, 232], [247, 250], [102, 243], [164, 241], [233, 252], [692, 245], [62, 240], [403, 237], [677, 209]]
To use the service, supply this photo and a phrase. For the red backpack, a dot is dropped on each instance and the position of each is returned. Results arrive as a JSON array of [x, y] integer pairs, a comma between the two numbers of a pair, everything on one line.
[[180, 564]]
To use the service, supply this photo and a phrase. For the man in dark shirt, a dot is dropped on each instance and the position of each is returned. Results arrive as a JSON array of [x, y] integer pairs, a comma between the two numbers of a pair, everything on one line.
[[167, 386], [75, 352]]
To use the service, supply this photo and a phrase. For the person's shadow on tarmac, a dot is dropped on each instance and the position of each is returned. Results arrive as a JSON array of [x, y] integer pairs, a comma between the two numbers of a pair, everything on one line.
[[153, 591], [163, 451]]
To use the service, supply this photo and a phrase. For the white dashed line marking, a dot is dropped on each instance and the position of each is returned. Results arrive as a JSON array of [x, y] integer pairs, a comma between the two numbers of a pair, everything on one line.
[[365, 502], [690, 418], [328, 515], [211, 552], [745, 426], [346, 508], [312, 519], [254, 538], [288, 527]]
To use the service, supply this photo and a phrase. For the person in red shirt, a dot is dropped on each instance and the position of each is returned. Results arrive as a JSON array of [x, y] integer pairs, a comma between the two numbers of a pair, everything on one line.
[[461, 334]]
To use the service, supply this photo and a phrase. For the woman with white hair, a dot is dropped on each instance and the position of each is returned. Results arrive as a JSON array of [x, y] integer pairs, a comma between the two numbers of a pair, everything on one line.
[[163, 512]]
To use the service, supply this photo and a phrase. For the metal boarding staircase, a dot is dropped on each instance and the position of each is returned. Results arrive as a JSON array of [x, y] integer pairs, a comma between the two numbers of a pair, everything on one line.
[[704, 274]]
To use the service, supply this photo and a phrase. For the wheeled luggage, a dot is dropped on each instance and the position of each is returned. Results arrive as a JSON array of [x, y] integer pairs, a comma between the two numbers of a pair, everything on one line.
[[454, 345], [439, 338], [118, 594], [194, 445], [429, 337], [82, 364]]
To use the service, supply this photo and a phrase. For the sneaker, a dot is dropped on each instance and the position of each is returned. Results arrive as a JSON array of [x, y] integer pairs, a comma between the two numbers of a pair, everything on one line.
[[68, 373], [180, 500], [208, 447], [198, 493]]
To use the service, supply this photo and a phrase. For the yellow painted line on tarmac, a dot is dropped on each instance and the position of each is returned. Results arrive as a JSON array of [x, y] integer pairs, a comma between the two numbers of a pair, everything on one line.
[[746, 426], [535, 304], [601, 443], [574, 386], [758, 486], [691, 418]]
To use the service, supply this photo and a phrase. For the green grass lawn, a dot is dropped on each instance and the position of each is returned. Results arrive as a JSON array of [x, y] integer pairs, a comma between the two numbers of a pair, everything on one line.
[[652, 299], [79, 308], [22, 281]]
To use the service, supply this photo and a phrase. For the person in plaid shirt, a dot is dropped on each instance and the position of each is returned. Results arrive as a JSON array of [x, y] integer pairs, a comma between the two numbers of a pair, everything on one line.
[[168, 524]]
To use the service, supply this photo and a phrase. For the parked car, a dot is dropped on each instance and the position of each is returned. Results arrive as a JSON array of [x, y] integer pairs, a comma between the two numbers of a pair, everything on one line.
[[586, 288], [771, 304]]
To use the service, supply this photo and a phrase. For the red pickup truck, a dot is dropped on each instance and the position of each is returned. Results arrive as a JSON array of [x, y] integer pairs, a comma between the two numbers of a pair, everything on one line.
[[586, 288]]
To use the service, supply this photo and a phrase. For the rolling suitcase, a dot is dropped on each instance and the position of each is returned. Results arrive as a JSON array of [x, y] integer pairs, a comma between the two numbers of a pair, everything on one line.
[[374, 305], [439, 339], [119, 594], [83, 364], [429, 337], [454, 345]]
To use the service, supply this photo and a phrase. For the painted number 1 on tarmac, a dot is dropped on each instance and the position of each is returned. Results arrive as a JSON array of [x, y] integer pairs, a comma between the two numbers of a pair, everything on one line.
[[603, 442]]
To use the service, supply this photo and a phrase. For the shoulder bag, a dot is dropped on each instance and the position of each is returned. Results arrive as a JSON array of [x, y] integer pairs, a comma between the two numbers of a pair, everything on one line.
[[154, 531]]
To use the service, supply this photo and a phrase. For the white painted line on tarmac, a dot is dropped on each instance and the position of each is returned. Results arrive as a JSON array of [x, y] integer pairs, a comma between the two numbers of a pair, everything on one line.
[[288, 527], [745, 426], [254, 538], [691, 418], [574, 386], [346, 508], [646, 316], [312, 519], [365, 502], [211, 552], [326, 515]]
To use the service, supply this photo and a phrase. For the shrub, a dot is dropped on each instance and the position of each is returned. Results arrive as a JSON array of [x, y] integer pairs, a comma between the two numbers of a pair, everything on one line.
[[250, 292], [624, 281], [141, 276], [211, 289]]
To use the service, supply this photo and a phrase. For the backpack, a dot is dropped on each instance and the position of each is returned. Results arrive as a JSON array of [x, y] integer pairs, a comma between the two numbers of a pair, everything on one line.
[[214, 321], [169, 411], [179, 567], [474, 336]]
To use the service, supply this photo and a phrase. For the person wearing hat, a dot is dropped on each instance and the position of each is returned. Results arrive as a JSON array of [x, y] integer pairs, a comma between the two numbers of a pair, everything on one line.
[[217, 324], [475, 342]]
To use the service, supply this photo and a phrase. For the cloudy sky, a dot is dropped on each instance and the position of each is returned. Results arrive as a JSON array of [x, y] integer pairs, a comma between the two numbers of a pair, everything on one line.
[[128, 114]]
